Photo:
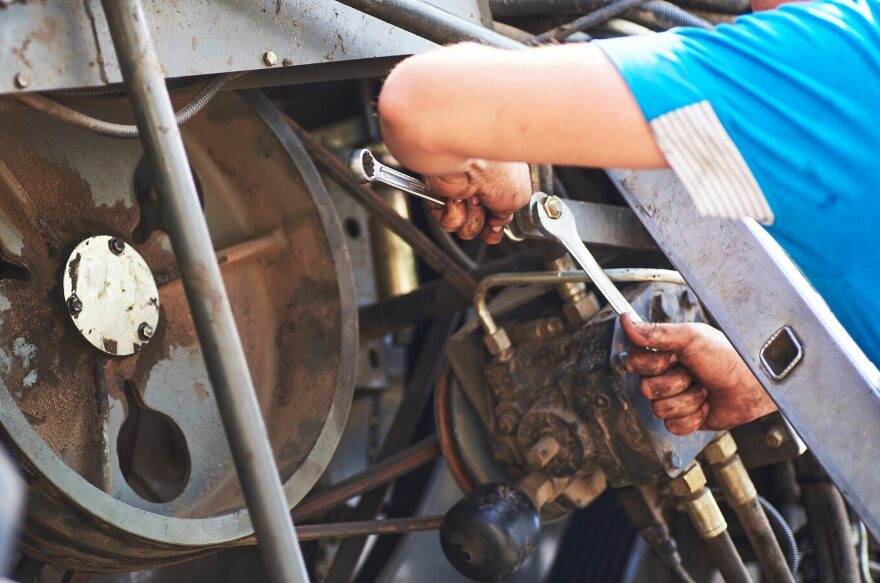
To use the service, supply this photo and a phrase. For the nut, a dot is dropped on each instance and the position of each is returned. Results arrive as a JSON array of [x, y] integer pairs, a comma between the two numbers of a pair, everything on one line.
[[692, 480], [22, 80], [721, 449], [498, 343], [270, 58], [287, 62], [145, 331], [775, 437], [553, 207], [582, 309]]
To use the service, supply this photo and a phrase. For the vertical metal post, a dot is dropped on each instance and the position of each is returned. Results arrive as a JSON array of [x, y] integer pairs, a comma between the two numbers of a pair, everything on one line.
[[208, 302]]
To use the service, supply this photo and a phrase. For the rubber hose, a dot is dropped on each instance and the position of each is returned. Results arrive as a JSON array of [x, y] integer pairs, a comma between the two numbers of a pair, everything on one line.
[[784, 534], [502, 8], [607, 12], [664, 15], [115, 130]]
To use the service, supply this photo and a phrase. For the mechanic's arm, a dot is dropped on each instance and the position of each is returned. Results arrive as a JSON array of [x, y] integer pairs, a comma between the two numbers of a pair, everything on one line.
[[562, 105]]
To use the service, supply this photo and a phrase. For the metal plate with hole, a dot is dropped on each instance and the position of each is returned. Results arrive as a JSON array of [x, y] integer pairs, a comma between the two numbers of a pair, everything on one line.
[[111, 295], [782, 352]]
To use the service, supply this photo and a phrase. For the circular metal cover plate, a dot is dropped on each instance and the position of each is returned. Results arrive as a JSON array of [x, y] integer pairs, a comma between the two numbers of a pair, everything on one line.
[[111, 295]]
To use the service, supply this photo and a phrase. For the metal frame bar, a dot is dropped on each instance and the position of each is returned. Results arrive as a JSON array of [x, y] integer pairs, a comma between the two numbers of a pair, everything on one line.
[[205, 292], [752, 289]]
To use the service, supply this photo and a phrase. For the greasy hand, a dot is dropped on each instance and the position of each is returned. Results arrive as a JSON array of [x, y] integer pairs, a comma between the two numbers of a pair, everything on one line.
[[483, 199], [695, 379]]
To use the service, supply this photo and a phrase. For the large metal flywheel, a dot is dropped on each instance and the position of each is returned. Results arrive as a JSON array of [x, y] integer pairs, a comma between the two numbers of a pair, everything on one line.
[[104, 396]]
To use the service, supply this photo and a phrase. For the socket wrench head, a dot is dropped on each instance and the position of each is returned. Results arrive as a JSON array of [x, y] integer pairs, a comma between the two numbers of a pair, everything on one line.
[[363, 166]]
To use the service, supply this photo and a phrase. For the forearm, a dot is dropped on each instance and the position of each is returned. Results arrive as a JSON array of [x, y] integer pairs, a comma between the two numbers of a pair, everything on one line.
[[563, 105]]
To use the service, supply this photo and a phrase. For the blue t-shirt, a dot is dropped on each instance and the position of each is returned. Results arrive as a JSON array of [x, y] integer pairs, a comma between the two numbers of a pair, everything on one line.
[[778, 117]]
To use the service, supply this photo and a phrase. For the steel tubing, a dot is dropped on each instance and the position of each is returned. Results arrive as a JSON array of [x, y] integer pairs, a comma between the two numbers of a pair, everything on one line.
[[205, 292], [382, 472], [361, 528]]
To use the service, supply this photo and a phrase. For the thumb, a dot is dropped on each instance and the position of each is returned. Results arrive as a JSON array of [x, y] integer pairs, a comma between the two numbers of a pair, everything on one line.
[[663, 337]]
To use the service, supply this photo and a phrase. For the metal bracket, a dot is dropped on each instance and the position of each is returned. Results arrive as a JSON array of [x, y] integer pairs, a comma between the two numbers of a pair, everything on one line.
[[822, 382]]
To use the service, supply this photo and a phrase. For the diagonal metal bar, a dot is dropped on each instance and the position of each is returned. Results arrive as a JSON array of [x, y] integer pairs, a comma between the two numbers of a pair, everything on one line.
[[205, 292], [403, 426], [362, 528], [381, 473], [433, 255]]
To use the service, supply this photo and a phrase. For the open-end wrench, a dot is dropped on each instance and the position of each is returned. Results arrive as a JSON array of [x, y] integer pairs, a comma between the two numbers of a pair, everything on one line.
[[555, 220], [366, 168]]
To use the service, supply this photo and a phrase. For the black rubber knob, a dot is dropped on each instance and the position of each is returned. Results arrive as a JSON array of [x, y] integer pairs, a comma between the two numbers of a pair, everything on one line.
[[490, 532]]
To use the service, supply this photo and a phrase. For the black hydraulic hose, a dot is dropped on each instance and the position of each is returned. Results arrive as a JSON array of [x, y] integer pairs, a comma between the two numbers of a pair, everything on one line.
[[663, 15], [502, 8], [655, 13], [114, 130], [607, 12], [784, 534]]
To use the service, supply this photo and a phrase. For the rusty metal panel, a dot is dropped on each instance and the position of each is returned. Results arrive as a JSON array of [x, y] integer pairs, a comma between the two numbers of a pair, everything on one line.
[[65, 43]]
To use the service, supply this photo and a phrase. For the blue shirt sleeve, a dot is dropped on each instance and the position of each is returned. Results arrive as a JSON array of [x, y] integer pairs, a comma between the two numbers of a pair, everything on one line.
[[797, 89]]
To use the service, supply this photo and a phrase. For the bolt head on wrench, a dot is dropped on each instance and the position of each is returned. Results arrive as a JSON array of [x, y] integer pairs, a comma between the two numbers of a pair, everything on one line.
[[553, 218]]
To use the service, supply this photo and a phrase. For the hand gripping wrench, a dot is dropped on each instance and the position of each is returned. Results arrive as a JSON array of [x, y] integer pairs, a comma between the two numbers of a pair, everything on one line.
[[555, 220], [366, 168]]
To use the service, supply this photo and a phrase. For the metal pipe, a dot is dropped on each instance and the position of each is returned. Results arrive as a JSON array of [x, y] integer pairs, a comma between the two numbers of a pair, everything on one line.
[[741, 495], [361, 528], [382, 472], [622, 275], [209, 304]]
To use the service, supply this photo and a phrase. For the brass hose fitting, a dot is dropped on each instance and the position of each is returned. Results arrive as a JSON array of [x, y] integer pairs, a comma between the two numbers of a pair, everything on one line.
[[739, 490], [707, 519]]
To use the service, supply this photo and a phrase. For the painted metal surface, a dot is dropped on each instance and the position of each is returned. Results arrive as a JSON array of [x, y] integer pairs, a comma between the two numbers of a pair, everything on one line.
[[65, 43], [281, 251], [111, 295], [752, 289]]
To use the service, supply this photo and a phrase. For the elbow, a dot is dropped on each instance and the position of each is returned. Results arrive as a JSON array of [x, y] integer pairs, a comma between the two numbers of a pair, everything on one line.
[[415, 103], [400, 102]]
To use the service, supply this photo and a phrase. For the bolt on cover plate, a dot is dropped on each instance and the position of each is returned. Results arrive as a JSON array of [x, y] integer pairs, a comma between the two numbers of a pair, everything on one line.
[[110, 295]]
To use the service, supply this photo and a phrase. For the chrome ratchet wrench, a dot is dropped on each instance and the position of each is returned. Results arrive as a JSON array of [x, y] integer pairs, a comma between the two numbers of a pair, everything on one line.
[[555, 220], [366, 168]]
